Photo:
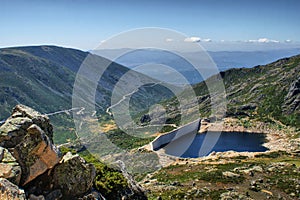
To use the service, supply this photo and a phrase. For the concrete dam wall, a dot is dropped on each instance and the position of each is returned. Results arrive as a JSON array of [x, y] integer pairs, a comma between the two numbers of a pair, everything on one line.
[[166, 138]]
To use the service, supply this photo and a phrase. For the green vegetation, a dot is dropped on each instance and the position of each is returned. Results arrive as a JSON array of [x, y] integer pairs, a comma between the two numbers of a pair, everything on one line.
[[125, 141], [65, 150], [179, 194], [265, 176], [42, 77], [63, 128], [214, 175], [245, 122], [109, 181], [256, 93]]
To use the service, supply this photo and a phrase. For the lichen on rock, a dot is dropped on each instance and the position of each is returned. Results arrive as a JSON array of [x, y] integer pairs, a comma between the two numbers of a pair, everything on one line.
[[9, 167], [10, 191], [15, 127], [28, 158], [35, 153], [73, 175]]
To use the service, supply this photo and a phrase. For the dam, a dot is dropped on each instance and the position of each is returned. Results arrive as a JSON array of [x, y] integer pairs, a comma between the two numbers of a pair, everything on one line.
[[164, 139], [184, 142]]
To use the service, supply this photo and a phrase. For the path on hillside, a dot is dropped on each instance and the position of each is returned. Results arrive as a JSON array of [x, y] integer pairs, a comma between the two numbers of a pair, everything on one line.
[[127, 95], [80, 110], [67, 111]]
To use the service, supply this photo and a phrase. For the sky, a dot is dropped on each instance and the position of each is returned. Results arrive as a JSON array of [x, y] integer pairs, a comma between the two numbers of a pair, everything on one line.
[[83, 24]]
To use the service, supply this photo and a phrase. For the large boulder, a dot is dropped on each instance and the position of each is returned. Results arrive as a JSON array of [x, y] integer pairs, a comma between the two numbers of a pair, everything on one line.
[[15, 127], [28, 134], [28, 158], [9, 167], [35, 153], [71, 178], [9, 191]]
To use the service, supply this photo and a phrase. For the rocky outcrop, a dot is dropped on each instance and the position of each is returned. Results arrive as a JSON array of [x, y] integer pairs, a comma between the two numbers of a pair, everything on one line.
[[9, 191], [29, 135], [35, 153], [29, 159], [233, 195], [73, 175], [9, 168], [15, 127], [71, 178], [292, 99]]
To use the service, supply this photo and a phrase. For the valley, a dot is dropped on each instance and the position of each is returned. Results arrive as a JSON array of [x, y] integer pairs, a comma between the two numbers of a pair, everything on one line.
[[261, 100], [150, 100]]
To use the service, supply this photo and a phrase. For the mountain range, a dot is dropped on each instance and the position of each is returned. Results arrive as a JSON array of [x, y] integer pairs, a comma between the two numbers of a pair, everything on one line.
[[224, 60], [268, 93], [43, 77]]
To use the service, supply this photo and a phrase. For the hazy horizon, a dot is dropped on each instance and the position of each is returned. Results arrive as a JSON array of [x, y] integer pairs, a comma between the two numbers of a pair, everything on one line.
[[216, 25]]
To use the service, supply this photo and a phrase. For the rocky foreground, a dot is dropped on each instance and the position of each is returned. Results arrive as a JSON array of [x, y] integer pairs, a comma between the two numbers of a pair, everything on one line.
[[273, 175], [31, 166]]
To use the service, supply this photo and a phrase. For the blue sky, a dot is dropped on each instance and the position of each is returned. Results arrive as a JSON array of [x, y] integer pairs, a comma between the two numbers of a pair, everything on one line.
[[83, 24]]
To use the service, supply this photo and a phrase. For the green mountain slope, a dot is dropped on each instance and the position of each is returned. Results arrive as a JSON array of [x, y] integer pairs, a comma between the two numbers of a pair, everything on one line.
[[42, 77], [34, 81], [268, 93]]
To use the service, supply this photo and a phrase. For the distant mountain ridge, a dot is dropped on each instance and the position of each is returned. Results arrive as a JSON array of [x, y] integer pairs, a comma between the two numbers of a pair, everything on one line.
[[269, 93], [224, 60], [42, 77]]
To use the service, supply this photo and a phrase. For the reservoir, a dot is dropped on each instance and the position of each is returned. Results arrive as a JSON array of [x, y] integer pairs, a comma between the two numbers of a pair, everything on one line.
[[198, 145]]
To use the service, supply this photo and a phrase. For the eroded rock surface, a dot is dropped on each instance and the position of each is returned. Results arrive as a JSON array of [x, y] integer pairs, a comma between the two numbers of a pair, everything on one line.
[[29, 159], [73, 176], [9, 167], [15, 127], [35, 153], [9, 191], [292, 99], [29, 136]]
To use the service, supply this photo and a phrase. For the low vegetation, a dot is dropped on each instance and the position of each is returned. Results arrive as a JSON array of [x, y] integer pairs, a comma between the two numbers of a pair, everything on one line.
[[274, 175], [109, 181]]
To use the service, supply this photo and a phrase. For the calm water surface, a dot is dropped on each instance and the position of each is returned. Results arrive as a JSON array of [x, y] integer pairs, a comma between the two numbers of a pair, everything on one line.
[[189, 146]]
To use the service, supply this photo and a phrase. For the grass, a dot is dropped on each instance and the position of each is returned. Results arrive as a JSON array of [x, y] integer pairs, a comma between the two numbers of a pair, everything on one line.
[[179, 194], [108, 181], [174, 173], [125, 141], [177, 181], [268, 97]]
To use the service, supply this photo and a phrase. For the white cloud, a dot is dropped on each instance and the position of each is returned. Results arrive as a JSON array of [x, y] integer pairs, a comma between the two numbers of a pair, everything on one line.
[[263, 40], [169, 40], [206, 40], [288, 41], [192, 39], [197, 39]]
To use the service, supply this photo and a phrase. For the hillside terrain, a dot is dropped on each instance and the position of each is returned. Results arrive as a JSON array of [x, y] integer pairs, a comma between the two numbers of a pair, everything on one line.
[[260, 99], [263, 99], [273, 175], [32, 167], [268, 93], [42, 77]]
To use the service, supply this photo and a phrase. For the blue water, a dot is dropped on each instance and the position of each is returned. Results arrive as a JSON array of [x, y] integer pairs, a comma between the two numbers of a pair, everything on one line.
[[189, 146]]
